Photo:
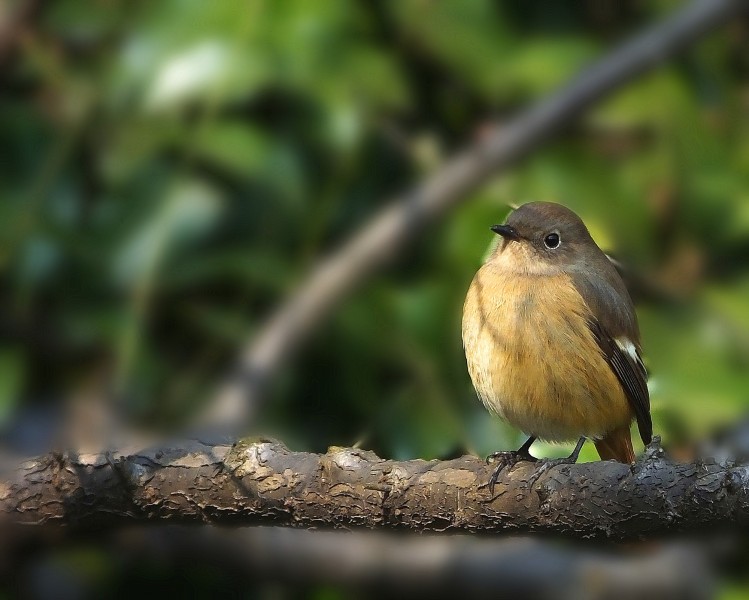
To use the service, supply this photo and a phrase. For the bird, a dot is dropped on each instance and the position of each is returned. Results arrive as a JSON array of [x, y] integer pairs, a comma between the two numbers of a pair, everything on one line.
[[552, 341]]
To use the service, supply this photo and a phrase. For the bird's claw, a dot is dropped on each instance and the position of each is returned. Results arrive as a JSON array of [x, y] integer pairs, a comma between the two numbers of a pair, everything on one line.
[[504, 459], [547, 465]]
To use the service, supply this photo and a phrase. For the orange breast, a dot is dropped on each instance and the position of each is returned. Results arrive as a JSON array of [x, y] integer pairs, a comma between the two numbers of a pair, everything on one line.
[[534, 361]]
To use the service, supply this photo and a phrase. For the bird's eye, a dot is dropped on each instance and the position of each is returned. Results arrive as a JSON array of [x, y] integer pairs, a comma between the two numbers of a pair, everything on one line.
[[552, 241]]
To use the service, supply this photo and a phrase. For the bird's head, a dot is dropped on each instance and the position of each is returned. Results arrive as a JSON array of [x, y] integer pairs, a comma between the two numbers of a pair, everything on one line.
[[544, 237]]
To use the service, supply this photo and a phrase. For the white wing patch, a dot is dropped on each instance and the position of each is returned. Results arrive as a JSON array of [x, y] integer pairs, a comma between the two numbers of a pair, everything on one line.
[[626, 346]]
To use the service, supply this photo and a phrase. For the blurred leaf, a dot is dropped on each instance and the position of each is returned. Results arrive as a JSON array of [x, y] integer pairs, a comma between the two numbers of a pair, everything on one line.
[[219, 324], [200, 72], [188, 212], [249, 267], [467, 36], [539, 66], [691, 374], [39, 258], [12, 367], [656, 100], [233, 146], [417, 430]]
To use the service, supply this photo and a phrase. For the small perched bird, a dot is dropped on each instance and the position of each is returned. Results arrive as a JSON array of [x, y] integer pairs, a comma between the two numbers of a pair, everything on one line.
[[552, 341]]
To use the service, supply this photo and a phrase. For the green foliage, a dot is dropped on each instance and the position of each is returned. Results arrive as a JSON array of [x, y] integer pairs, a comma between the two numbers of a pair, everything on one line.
[[171, 169]]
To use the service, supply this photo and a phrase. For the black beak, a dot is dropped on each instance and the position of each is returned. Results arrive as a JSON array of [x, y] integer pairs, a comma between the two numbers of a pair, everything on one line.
[[506, 232]]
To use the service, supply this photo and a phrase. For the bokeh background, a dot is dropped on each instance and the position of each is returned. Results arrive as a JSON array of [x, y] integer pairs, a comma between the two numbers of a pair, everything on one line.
[[170, 170]]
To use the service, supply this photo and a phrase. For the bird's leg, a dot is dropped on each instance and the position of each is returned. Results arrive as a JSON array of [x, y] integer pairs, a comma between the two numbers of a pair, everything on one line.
[[522, 453], [506, 459], [555, 462]]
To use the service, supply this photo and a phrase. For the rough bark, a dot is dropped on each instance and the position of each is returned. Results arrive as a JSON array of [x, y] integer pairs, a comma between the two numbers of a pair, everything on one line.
[[263, 482]]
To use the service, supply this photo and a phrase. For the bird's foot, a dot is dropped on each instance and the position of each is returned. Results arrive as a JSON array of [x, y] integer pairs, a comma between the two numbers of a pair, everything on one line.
[[547, 464], [505, 460]]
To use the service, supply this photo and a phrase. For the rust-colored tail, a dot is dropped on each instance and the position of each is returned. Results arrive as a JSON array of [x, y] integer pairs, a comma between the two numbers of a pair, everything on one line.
[[617, 445]]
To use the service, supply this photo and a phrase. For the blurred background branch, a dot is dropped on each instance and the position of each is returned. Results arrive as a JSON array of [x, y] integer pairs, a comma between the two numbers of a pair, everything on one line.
[[386, 235], [375, 564]]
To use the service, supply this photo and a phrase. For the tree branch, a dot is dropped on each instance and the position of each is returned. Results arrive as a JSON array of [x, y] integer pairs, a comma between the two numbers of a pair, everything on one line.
[[263, 482], [384, 237]]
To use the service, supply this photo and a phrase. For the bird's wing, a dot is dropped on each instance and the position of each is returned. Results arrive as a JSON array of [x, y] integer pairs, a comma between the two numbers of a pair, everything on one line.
[[623, 357]]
